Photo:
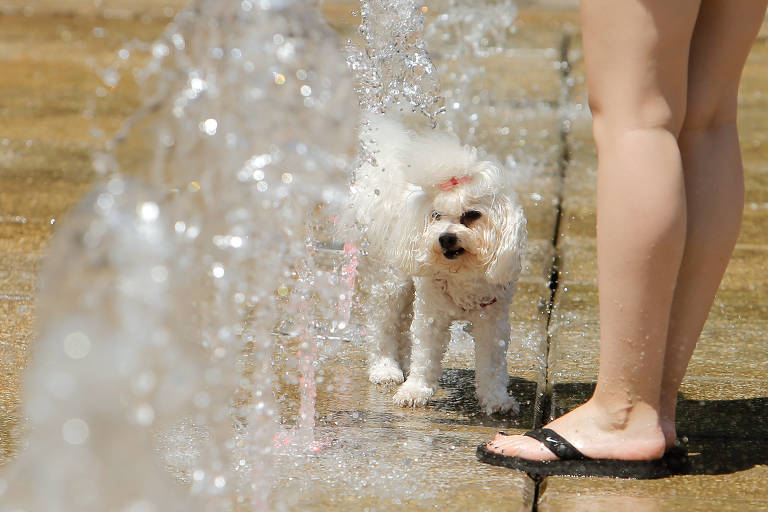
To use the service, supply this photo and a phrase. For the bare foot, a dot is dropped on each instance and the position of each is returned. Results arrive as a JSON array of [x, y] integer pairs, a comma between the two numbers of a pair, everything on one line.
[[630, 433]]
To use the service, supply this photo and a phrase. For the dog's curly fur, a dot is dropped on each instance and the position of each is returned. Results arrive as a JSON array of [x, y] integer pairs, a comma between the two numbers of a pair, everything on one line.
[[445, 241]]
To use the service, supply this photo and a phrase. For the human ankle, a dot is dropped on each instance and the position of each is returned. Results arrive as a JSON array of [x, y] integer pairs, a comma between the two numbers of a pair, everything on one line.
[[669, 430], [621, 413]]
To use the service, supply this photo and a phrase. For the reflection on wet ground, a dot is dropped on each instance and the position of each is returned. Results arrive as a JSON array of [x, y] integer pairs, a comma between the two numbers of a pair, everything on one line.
[[371, 448]]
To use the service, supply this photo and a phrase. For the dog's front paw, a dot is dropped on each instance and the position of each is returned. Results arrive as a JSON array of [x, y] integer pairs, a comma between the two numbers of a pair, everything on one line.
[[499, 404], [413, 394], [385, 371]]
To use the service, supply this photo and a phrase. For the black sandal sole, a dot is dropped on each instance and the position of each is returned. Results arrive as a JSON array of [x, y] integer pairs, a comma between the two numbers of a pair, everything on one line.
[[612, 468], [573, 463]]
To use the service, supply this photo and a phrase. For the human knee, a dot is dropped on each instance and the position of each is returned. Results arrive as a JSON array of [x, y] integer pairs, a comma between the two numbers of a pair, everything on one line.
[[611, 133], [610, 121], [707, 114]]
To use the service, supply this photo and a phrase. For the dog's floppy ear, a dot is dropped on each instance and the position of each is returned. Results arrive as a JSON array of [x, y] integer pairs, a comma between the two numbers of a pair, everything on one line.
[[506, 240], [404, 228]]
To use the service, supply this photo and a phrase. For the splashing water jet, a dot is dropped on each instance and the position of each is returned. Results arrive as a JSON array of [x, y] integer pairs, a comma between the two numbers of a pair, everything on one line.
[[156, 306]]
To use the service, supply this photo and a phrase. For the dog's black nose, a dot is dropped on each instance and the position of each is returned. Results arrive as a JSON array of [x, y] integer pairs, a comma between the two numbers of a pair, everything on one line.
[[447, 240]]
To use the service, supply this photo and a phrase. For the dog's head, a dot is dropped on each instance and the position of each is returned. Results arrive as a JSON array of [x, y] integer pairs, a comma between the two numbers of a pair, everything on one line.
[[430, 205], [472, 226]]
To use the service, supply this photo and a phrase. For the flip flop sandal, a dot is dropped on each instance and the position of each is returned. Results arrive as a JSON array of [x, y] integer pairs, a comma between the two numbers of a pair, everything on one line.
[[679, 447], [571, 462]]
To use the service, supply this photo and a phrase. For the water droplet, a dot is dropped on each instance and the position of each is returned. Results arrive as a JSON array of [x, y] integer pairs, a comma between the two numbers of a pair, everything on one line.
[[202, 400], [209, 126], [75, 431], [160, 50], [178, 41], [77, 345], [139, 506], [61, 385], [144, 415], [159, 273], [148, 211], [197, 84]]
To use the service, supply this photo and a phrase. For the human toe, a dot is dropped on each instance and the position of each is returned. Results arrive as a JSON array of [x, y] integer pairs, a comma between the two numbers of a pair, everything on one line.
[[521, 446], [506, 444], [502, 435]]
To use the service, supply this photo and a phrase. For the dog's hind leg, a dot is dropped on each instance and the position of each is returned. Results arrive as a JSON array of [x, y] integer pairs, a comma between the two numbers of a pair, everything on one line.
[[389, 295]]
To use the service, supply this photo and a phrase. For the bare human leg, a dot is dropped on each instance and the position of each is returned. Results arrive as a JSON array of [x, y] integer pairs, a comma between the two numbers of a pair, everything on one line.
[[714, 181], [636, 57], [712, 203]]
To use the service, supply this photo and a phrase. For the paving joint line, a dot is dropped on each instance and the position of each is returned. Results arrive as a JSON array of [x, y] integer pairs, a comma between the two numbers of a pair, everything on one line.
[[554, 276], [543, 402]]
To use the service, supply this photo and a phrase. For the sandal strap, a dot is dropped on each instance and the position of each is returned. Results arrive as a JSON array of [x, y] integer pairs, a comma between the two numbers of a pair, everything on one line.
[[556, 444]]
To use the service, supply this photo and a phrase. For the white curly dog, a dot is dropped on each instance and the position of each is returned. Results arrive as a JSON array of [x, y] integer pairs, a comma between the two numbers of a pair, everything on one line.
[[445, 242]]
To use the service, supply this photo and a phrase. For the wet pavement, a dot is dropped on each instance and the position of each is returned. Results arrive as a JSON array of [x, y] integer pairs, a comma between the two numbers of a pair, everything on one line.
[[378, 456]]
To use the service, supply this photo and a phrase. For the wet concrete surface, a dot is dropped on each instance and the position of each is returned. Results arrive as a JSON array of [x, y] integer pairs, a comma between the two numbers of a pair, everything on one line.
[[426, 456]]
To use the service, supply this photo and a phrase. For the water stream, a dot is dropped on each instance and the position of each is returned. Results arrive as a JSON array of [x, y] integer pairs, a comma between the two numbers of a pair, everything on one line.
[[153, 386]]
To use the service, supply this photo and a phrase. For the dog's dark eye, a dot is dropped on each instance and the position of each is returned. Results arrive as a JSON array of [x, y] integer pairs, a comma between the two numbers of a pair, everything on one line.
[[469, 216], [435, 215]]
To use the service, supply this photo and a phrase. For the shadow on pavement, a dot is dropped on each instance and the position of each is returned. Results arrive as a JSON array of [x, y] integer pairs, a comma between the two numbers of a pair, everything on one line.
[[724, 436], [461, 399]]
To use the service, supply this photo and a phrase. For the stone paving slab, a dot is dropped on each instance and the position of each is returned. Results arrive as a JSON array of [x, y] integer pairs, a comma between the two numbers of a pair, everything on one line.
[[46, 156], [18, 200], [579, 265], [529, 134], [754, 80], [449, 478], [16, 317], [753, 130], [18, 273], [538, 19], [119, 9], [23, 237], [375, 447], [528, 78], [538, 197], [572, 495]]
